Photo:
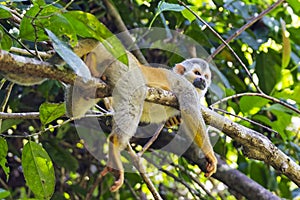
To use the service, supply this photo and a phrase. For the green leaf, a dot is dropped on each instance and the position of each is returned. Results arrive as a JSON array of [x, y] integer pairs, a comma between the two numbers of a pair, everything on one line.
[[259, 173], [87, 25], [35, 21], [4, 12], [8, 123], [5, 40], [3, 154], [252, 104], [76, 64], [3, 148], [38, 170], [283, 119], [263, 119], [51, 111], [268, 70], [286, 51], [163, 6], [61, 156], [39, 2], [289, 93], [295, 5], [4, 193], [188, 15]]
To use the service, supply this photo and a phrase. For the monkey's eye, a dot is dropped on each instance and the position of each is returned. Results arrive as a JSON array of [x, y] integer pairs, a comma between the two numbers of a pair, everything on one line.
[[197, 73]]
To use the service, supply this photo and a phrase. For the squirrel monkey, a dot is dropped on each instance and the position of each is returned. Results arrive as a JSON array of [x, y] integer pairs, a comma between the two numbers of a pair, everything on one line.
[[188, 81]]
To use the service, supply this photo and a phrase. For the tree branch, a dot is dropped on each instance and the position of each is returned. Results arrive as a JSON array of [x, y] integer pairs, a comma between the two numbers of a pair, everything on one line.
[[255, 145]]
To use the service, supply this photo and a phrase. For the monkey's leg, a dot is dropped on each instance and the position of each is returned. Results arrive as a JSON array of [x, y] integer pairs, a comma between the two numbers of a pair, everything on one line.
[[128, 99], [114, 164]]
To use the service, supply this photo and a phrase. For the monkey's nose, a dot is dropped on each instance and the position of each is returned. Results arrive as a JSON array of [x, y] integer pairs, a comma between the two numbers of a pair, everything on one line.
[[199, 83]]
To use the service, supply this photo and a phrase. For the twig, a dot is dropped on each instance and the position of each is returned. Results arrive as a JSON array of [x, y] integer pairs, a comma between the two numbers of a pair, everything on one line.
[[189, 174], [7, 95], [16, 39], [135, 195], [246, 119], [95, 185], [24, 115], [36, 32], [246, 26], [26, 53], [37, 133], [141, 169], [225, 43], [192, 191], [260, 95], [150, 142], [113, 12]]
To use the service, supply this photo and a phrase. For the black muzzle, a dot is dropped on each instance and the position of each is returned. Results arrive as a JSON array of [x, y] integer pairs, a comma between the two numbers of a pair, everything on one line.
[[199, 83]]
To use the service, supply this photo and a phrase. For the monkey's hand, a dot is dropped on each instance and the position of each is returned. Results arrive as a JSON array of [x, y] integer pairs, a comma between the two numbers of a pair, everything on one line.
[[211, 166], [119, 177]]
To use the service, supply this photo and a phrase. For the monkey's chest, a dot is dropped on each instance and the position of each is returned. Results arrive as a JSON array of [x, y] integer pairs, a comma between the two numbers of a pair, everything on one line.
[[155, 113]]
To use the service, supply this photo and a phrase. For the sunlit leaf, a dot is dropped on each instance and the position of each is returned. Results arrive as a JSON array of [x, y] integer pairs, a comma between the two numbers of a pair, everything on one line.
[[286, 51], [295, 5], [39, 2], [38, 170], [4, 193], [51, 111], [5, 40], [4, 12], [188, 15], [35, 21], [252, 104], [163, 6], [87, 25]]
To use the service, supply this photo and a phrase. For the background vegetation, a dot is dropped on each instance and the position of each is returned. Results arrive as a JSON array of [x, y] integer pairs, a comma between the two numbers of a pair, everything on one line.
[[269, 47]]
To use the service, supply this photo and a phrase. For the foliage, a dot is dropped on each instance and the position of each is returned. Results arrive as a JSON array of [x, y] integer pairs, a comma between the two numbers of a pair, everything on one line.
[[269, 48]]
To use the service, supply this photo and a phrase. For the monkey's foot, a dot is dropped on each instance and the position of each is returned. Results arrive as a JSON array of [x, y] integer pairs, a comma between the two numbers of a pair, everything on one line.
[[119, 177], [211, 166]]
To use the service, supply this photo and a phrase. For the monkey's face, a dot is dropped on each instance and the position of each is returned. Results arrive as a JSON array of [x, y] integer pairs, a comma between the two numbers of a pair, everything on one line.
[[197, 72]]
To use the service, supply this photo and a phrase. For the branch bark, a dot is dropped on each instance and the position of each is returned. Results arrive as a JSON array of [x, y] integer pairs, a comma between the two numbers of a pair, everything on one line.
[[255, 145]]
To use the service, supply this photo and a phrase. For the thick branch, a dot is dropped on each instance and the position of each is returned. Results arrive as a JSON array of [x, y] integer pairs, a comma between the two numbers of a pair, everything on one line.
[[255, 145], [11, 63]]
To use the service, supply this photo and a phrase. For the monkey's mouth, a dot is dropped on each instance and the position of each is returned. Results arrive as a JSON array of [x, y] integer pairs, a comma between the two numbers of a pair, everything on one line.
[[199, 83]]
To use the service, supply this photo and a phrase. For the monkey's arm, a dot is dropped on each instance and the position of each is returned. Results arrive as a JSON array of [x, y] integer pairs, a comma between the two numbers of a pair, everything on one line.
[[192, 121], [196, 129]]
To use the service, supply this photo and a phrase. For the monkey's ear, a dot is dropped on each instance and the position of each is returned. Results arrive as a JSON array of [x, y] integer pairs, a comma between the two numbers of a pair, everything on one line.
[[179, 69]]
